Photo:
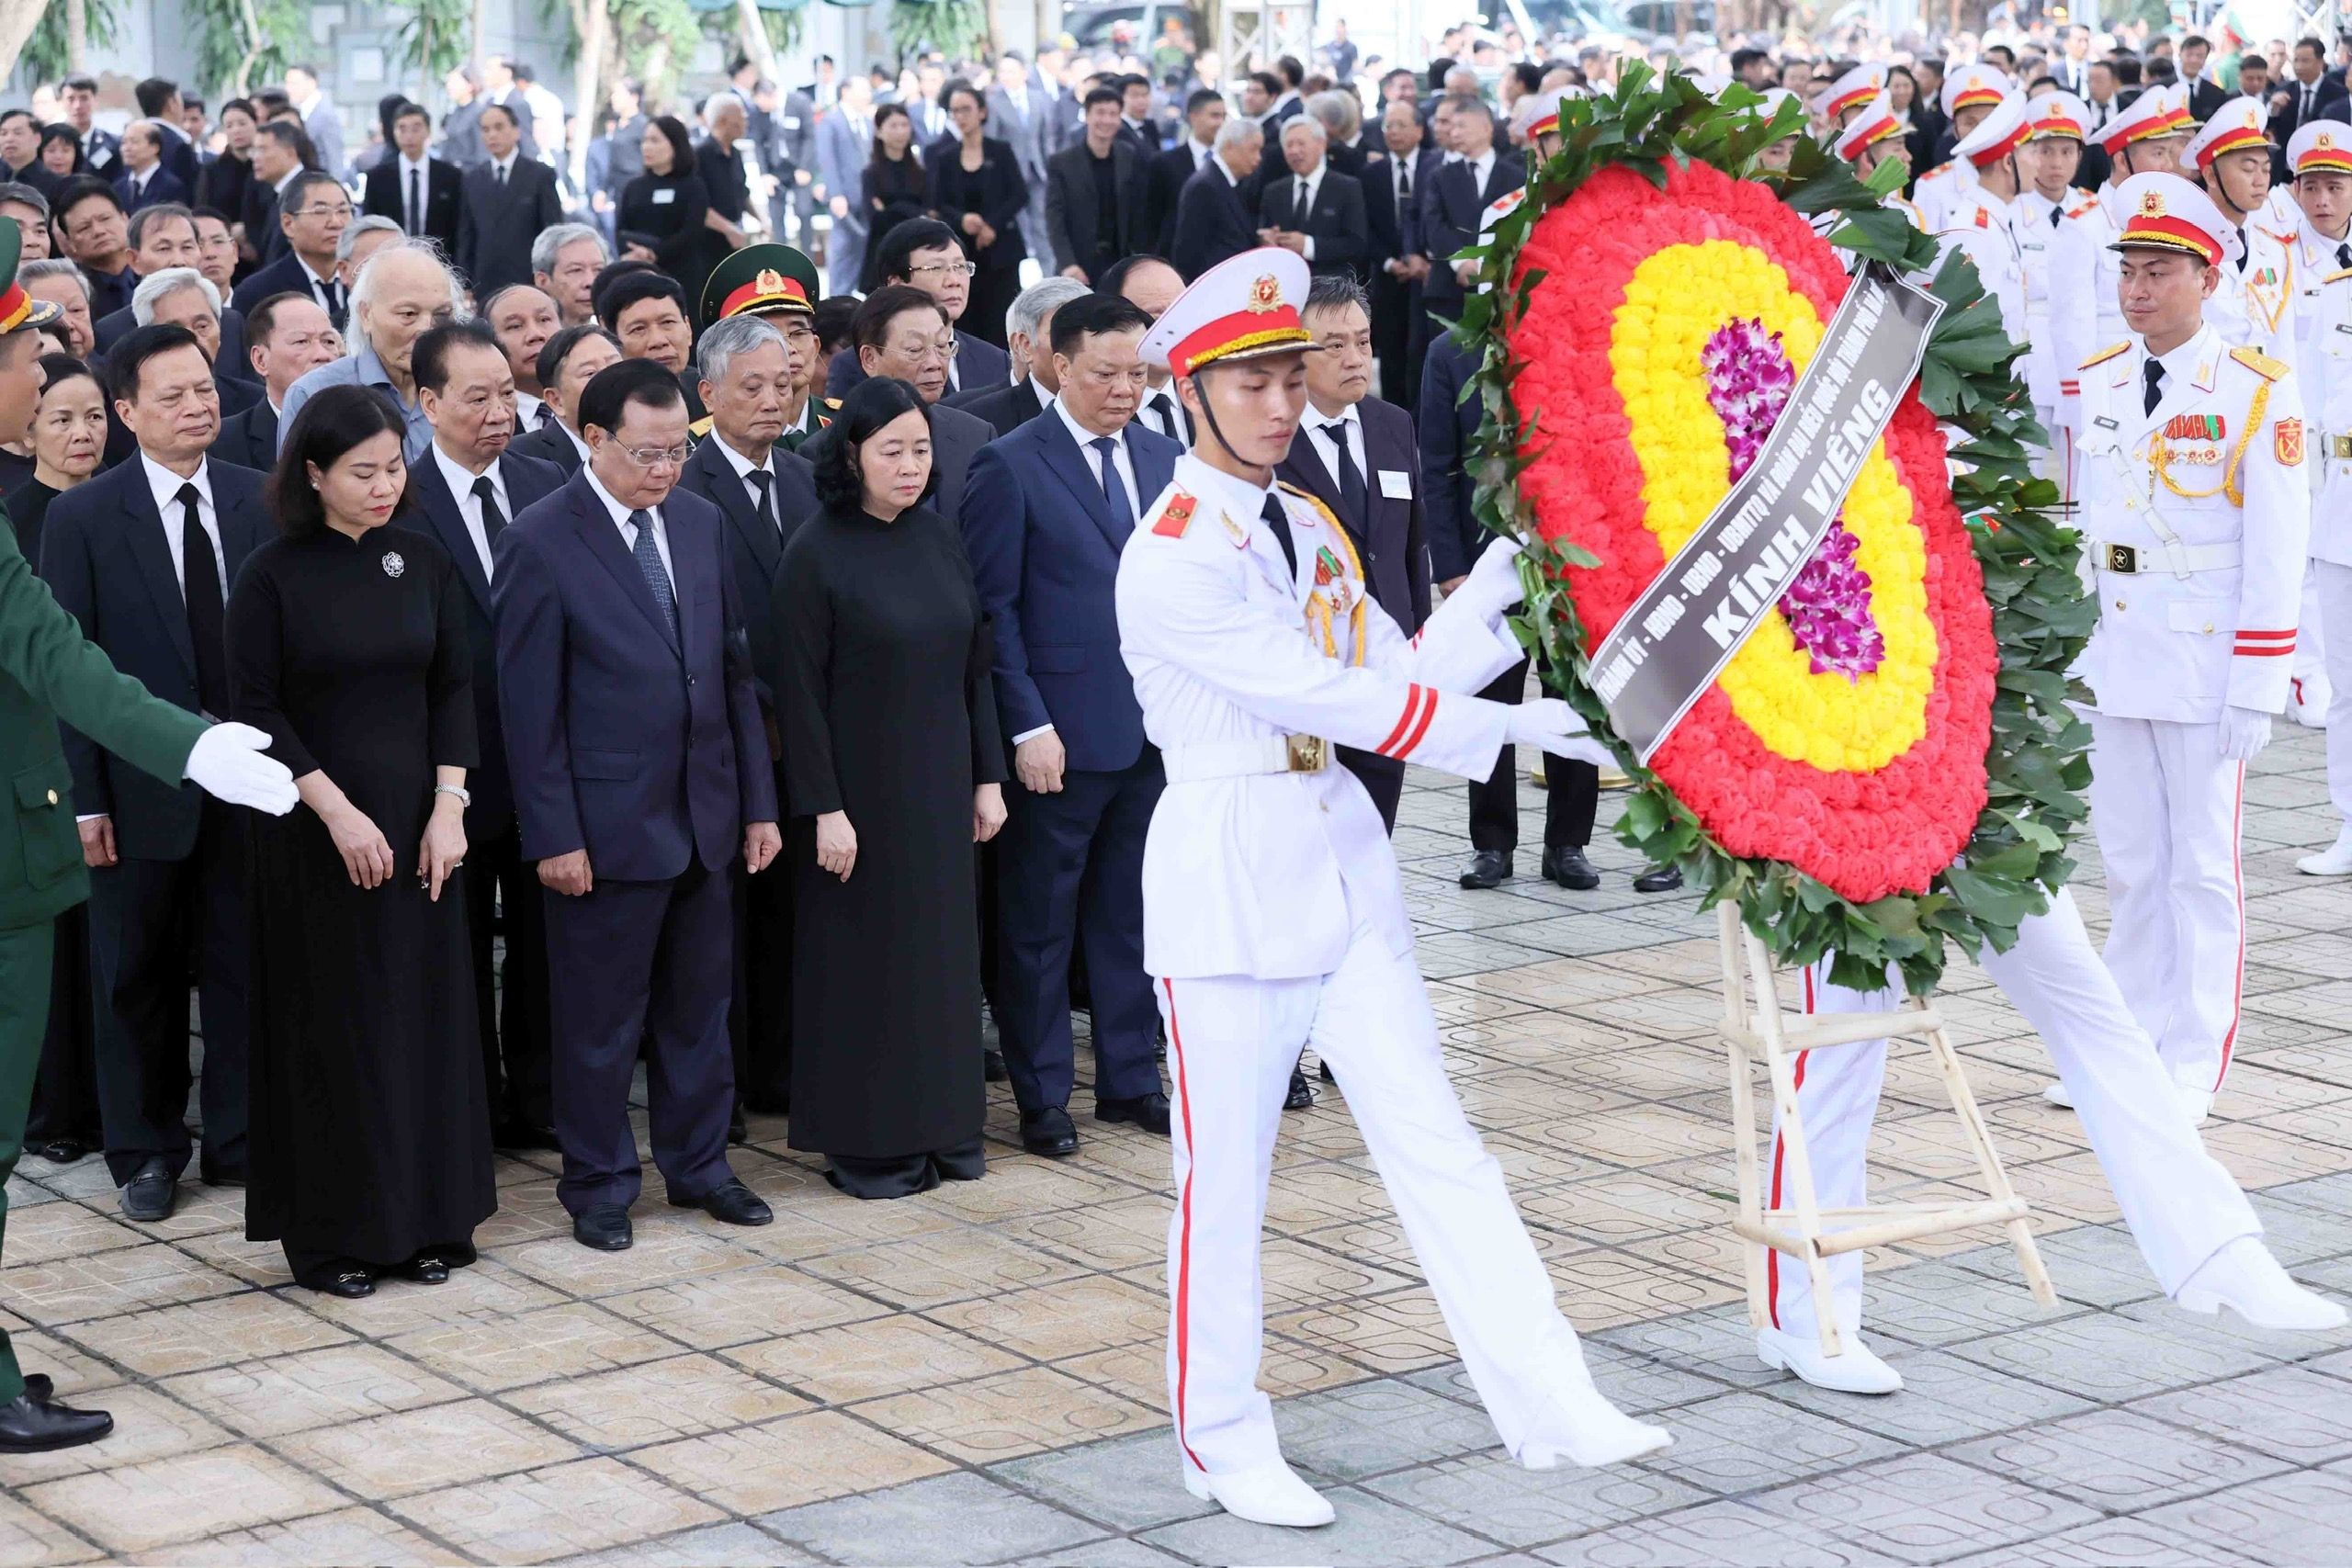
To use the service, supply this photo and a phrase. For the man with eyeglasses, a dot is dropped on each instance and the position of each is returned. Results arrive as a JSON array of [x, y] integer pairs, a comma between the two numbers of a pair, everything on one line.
[[924, 253], [312, 215], [635, 790], [403, 292], [902, 332]]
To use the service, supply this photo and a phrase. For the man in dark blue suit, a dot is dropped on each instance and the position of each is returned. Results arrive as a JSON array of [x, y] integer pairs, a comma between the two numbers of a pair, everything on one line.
[[144, 181], [924, 253], [764, 493], [633, 744], [1215, 215], [143, 555], [466, 487], [1047, 511], [1451, 202]]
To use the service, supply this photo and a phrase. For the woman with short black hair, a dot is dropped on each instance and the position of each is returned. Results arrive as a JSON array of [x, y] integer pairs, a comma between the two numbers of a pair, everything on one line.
[[893, 756], [977, 190], [661, 209], [371, 1134], [896, 187]]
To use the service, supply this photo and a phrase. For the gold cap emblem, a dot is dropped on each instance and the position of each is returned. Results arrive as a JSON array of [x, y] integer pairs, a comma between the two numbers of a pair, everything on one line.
[[1266, 294], [2151, 203], [2323, 140], [769, 281]]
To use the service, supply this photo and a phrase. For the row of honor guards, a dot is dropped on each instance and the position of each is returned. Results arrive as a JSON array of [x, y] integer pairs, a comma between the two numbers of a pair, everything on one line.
[[2188, 337]]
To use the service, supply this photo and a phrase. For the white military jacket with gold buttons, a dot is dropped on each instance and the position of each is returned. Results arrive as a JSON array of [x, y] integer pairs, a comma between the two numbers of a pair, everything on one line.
[[2196, 518], [1985, 226], [2042, 248], [2086, 307], [2254, 305], [1250, 870], [2327, 393]]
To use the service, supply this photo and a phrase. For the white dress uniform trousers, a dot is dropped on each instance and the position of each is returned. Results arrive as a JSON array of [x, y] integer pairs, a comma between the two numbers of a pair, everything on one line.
[[2328, 345]]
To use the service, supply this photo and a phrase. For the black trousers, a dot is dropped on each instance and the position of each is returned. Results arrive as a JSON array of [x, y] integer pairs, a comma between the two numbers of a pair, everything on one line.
[[993, 290], [1395, 307], [759, 1026], [1383, 779], [65, 1094], [503, 896], [1571, 799], [149, 920]]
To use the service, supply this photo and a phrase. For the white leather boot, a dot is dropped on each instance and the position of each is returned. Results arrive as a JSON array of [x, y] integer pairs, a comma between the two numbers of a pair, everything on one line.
[[2245, 1278], [1270, 1495], [1856, 1370]]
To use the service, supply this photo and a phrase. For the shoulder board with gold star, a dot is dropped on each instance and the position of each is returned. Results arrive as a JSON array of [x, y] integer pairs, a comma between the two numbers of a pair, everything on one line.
[[2078, 209], [831, 402], [2261, 364], [1943, 168], [2104, 355], [1176, 517], [700, 427]]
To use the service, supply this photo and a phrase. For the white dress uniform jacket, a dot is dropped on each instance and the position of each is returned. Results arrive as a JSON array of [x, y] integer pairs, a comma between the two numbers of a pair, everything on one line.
[[2255, 305], [2086, 310]]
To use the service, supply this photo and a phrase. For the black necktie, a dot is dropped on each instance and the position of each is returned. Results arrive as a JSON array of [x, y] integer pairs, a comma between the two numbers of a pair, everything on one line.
[[763, 482], [331, 297], [1113, 490], [2344, 254], [2056, 213], [1352, 496], [2242, 249], [1404, 181], [493, 520], [501, 173], [415, 205], [1279, 521], [2154, 374], [1165, 411], [200, 580]]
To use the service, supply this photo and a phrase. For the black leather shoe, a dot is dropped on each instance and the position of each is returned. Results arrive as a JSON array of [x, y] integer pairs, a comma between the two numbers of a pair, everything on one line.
[[1149, 1112], [1569, 868], [425, 1269], [992, 1066], [1323, 1071], [1049, 1131], [1301, 1095], [151, 1193], [730, 1203], [63, 1151], [520, 1134], [604, 1228], [1658, 879], [349, 1283], [31, 1424], [1487, 868]]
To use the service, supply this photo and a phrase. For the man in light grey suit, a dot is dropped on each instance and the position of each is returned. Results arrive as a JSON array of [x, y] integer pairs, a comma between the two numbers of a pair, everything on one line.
[[1020, 114], [844, 139], [320, 118]]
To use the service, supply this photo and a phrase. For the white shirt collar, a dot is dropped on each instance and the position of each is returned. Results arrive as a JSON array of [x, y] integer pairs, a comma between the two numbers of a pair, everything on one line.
[[506, 166], [280, 187], [1482, 167], [2185, 361], [1221, 164], [1316, 419], [419, 164], [165, 485], [460, 482], [573, 436], [1078, 432], [1314, 176], [1202, 152], [744, 467], [619, 513], [307, 105]]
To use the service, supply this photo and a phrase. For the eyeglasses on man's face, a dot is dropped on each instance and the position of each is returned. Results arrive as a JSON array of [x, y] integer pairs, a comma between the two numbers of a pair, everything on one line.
[[656, 456], [946, 268]]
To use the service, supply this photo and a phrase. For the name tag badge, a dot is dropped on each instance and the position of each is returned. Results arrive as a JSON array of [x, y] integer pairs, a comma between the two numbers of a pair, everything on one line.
[[664, 197], [2104, 422], [1396, 484], [792, 123]]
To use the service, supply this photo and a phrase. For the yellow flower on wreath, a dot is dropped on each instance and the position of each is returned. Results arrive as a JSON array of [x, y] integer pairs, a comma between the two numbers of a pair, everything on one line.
[[1676, 301]]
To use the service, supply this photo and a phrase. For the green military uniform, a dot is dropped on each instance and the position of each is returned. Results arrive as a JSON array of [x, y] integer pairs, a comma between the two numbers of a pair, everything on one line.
[[767, 280], [47, 673]]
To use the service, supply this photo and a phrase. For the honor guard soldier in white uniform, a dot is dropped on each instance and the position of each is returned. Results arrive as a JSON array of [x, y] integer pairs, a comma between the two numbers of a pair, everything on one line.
[[2320, 155], [2146, 136], [2253, 306], [1875, 136], [2319, 168], [1839, 102], [2053, 152], [2196, 512], [1968, 96], [1273, 916], [1982, 220]]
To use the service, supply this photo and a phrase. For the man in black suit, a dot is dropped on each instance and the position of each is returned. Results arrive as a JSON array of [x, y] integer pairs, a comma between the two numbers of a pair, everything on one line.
[[2312, 94], [1316, 210], [414, 190], [312, 215], [1356, 455], [1028, 327], [287, 337], [505, 204], [1400, 261], [1094, 194], [144, 181], [161, 236], [466, 489], [1451, 202], [1164, 184], [621, 660], [923, 252], [568, 363], [1213, 220], [2205, 96], [91, 228], [101, 152], [278, 159], [143, 555], [764, 493]]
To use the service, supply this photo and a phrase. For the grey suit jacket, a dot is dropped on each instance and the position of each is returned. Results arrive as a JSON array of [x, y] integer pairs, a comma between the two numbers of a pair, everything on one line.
[[956, 438]]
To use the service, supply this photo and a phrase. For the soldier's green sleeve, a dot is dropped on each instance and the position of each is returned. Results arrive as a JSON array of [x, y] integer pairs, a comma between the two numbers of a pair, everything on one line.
[[43, 651]]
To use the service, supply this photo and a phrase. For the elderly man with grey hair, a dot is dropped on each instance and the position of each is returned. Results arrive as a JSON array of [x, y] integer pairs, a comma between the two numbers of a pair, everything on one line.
[[404, 290], [363, 239], [1215, 217], [183, 297], [1317, 211], [1028, 327], [29, 210], [565, 260], [1341, 119], [765, 492]]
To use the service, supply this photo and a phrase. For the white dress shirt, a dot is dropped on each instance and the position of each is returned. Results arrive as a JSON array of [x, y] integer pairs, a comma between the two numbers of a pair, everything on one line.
[[573, 436], [1480, 168], [461, 485], [744, 468], [165, 485], [628, 529], [1168, 420], [502, 169], [412, 219], [1352, 430], [1201, 152], [1122, 460]]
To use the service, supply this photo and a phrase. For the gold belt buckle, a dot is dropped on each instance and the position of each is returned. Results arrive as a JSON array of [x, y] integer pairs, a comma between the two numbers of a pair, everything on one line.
[[2340, 447], [1308, 753], [2122, 559]]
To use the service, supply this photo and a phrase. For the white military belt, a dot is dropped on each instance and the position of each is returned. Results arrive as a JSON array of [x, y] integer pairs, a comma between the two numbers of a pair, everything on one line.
[[1239, 759], [2172, 557]]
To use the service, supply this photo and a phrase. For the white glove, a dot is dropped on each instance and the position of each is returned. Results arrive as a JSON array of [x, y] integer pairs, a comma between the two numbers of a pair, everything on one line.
[[1493, 586], [227, 761], [1553, 727], [2244, 732]]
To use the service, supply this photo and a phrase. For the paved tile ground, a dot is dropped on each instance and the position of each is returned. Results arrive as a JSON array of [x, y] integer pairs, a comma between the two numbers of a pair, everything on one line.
[[974, 1376]]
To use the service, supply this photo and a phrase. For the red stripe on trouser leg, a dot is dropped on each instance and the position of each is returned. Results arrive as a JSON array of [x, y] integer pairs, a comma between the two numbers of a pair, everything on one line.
[[1413, 695], [1772, 1254], [1184, 1233], [2237, 876]]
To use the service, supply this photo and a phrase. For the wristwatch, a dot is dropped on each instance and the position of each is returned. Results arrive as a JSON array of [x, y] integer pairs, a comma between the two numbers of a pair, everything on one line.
[[464, 796]]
